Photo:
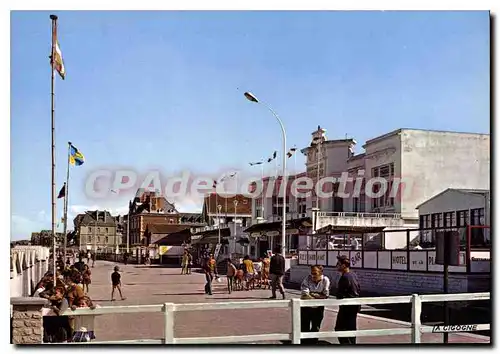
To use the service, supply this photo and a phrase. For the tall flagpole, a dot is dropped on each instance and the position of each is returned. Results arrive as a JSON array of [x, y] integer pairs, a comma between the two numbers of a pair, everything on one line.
[[295, 179], [53, 125], [66, 196]]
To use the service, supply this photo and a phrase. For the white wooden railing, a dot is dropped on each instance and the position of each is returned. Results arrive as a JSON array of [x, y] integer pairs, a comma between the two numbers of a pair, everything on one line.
[[294, 305]]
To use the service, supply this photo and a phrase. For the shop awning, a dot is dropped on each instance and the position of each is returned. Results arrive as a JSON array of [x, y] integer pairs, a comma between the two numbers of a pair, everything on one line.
[[264, 227], [294, 224], [212, 237], [211, 240], [175, 239]]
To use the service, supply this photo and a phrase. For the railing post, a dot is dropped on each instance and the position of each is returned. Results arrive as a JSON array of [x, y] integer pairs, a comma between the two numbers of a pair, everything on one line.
[[168, 309], [296, 330], [416, 324]]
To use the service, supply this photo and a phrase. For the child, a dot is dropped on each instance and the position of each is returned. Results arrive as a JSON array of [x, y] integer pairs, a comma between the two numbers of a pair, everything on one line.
[[84, 325], [86, 278], [116, 283]]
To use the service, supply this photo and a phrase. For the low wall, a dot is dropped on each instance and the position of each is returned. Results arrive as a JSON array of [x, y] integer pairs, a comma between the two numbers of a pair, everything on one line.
[[386, 282], [409, 260], [27, 320]]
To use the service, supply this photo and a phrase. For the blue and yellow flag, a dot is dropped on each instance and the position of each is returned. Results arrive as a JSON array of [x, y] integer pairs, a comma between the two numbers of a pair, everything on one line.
[[76, 158]]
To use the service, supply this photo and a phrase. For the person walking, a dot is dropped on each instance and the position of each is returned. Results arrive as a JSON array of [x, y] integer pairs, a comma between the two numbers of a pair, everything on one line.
[[184, 263], [249, 272], [210, 268], [189, 262], [116, 283], [348, 287], [93, 259], [276, 273], [314, 286], [266, 261], [86, 278], [230, 274]]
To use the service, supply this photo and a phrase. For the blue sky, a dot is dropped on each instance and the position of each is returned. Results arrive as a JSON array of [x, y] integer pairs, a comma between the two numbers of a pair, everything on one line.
[[165, 89]]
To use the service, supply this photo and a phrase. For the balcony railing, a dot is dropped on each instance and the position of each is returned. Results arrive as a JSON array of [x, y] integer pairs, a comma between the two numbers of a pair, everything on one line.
[[358, 215]]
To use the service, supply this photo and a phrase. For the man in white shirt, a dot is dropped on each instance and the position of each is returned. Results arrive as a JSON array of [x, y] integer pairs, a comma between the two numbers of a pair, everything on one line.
[[314, 286]]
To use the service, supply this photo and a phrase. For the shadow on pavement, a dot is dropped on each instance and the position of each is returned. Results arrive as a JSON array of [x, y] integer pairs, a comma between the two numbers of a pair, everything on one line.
[[319, 342]]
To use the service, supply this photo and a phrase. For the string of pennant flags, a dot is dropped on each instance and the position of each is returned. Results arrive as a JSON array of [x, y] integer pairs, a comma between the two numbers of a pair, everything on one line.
[[289, 154], [231, 175]]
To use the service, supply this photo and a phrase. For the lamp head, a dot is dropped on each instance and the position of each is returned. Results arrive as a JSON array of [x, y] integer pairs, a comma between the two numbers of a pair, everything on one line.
[[249, 96]]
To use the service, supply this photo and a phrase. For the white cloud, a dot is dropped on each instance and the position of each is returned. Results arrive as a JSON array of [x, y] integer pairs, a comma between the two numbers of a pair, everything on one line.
[[22, 227], [74, 210], [192, 204]]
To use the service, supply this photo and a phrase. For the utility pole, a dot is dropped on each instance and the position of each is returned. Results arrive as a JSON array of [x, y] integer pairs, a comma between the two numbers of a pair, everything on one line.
[[128, 231], [95, 229]]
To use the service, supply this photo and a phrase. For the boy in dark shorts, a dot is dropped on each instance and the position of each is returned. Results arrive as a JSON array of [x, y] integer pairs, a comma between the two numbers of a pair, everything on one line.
[[116, 283]]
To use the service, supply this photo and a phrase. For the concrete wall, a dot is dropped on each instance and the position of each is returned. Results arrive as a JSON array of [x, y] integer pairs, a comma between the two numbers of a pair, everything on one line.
[[383, 282], [383, 151], [435, 161]]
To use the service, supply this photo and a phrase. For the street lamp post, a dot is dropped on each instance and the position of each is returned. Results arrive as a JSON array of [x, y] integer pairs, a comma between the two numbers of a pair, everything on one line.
[[284, 179], [235, 202], [219, 208]]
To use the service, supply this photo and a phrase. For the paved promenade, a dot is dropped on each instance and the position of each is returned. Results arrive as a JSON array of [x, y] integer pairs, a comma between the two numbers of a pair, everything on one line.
[[154, 285]]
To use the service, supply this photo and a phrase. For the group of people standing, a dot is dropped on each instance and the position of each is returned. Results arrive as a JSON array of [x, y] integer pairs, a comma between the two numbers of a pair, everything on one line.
[[186, 262], [69, 291], [317, 286], [264, 272]]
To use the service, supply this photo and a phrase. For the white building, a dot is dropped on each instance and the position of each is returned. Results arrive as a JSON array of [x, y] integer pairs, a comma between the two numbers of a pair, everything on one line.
[[456, 208], [268, 206], [426, 162]]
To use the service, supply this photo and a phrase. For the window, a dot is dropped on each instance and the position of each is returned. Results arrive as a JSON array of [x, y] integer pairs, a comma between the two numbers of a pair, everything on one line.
[[362, 202], [425, 221], [386, 172], [448, 218], [355, 204], [437, 221], [258, 208], [463, 218], [90, 229], [90, 239], [301, 205], [107, 239], [477, 216], [98, 230], [171, 221], [106, 230]]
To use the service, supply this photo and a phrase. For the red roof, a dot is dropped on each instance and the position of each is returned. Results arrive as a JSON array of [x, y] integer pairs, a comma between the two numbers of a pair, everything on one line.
[[244, 206]]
